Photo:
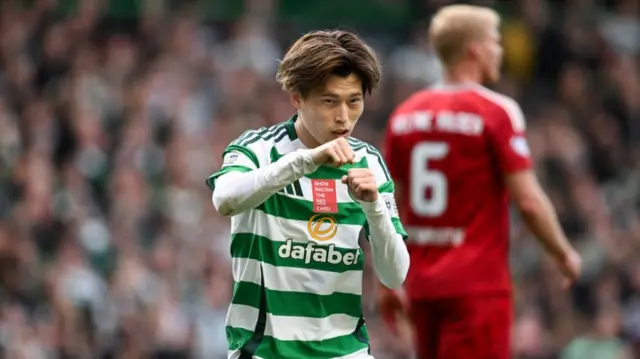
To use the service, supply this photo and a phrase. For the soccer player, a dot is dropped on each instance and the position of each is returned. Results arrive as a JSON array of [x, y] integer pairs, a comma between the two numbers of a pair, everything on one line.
[[458, 153], [298, 194]]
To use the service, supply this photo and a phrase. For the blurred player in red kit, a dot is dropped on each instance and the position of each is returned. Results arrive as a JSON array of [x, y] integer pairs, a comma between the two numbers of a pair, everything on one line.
[[458, 154]]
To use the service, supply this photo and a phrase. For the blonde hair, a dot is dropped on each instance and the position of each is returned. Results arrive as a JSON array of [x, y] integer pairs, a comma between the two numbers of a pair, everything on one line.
[[454, 26]]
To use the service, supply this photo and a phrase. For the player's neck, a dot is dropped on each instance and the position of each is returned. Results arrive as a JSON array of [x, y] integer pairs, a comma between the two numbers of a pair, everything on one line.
[[463, 74], [304, 135]]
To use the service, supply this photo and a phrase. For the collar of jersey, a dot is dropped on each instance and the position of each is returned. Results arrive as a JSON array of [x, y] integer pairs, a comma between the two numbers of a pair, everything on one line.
[[291, 128]]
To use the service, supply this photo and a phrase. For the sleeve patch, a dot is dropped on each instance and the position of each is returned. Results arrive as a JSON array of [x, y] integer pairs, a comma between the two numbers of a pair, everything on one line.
[[390, 202], [230, 158], [520, 146]]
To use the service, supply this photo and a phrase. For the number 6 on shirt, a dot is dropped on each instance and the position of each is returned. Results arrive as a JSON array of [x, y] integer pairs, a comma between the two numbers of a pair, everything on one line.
[[423, 178]]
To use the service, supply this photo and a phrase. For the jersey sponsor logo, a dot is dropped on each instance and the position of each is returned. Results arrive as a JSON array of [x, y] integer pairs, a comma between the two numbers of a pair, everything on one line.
[[311, 252], [230, 158], [520, 146], [390, 202], [322, 227]]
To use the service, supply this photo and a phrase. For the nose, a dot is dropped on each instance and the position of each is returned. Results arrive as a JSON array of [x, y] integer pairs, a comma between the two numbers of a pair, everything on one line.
[[342, 115]]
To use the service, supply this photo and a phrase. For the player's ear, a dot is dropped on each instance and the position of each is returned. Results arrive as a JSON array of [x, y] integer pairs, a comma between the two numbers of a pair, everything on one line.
[[296, 100], [473, 49]]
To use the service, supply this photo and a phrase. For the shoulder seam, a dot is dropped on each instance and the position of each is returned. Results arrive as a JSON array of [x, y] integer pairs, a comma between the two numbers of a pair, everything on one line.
[[509, 105], [359, 144], [263, 133]]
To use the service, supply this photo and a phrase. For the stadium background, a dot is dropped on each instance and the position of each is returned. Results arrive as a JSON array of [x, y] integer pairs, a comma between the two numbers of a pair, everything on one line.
[[112, 114]]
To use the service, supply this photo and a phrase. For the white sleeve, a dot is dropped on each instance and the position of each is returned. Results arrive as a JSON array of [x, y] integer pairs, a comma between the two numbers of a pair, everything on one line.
[[390, 254], [236, 192]]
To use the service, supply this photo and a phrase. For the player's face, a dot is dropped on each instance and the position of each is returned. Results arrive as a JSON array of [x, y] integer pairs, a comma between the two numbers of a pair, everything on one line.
[[331, 111], [491, 55]]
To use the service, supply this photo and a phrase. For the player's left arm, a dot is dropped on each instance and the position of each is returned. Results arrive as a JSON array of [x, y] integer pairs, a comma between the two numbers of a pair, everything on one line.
[[384, 229], [509, 142]]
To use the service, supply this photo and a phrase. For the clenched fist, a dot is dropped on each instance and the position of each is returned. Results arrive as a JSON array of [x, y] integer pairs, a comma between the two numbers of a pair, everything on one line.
[[335, 153], [362, 184]]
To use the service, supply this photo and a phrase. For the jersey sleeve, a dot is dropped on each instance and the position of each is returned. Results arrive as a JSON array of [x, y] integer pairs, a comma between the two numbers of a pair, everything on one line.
[[386, 191], [508, 138], [235, 158]]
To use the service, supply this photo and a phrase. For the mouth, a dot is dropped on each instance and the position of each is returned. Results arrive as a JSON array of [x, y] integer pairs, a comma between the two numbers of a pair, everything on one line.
[[340, 133]]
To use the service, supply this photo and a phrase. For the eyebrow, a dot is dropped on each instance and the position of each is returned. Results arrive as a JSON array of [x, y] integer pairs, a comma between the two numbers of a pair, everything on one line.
[[334, 95]]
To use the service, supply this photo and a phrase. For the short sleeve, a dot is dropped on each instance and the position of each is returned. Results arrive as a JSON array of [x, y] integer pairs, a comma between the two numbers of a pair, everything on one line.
[[508, 138], [234, 158]]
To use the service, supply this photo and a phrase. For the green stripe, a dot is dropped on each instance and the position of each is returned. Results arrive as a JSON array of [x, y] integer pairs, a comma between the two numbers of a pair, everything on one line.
[[264, 133], [250, 136], [387, 187], [357, 144], [291, 128], [281, 136], [299, 209], [210, 181], [326, 172], [246, 134], [295, 349], [298, 304], [397, 225], [244, 150], [252, 246], [278, 130]]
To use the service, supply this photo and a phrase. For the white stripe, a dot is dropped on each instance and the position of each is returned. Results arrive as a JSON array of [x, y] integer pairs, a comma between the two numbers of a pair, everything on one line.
[[237, 158], [294, 328], [360, 354], [291, 279], [374, 166], [242, 317], [290, 146], [511, 107], [235, 354], [281, 229]]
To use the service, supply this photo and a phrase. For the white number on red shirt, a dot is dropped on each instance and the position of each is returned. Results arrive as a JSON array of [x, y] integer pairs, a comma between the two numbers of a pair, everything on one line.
[[423, 178]]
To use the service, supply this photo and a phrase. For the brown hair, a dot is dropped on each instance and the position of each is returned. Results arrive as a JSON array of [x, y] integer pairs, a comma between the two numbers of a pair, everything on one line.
[[454, 26], [317, 55]]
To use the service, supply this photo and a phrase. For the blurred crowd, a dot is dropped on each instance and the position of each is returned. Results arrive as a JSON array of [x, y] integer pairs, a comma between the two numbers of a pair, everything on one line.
[[109, 244]]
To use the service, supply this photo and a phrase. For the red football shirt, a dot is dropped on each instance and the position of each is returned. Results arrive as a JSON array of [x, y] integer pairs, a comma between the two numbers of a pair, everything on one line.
[[448, 149]]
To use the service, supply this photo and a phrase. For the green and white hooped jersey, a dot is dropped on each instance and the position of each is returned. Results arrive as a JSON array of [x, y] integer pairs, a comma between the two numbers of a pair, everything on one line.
[[297, 265]]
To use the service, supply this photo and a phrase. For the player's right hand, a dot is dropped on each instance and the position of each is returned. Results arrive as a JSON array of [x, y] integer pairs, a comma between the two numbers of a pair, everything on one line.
[[570, 265], [334, 153]]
